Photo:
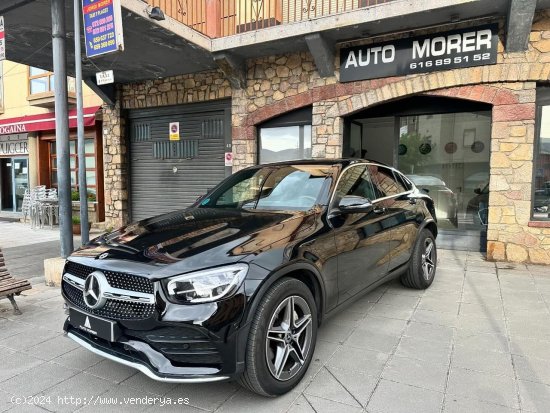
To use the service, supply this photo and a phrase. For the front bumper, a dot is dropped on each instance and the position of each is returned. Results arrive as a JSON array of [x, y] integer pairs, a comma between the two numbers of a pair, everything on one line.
[[167, 341], [144, 358], [178, 343]]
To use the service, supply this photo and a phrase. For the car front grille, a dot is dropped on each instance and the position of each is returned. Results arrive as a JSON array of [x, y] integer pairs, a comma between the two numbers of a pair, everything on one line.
[[113, 309], [116, 279]]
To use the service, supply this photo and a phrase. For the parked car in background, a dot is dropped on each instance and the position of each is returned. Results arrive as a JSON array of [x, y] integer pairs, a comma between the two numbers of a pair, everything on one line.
[[478, 206], [541, 204], [445, 199], [237, 285]]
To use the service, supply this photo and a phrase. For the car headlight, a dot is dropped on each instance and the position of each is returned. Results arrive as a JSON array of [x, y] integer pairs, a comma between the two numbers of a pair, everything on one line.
[[207, 285]]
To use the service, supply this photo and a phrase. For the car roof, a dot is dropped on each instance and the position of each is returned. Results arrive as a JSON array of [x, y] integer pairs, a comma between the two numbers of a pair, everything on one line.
[[341, 161]]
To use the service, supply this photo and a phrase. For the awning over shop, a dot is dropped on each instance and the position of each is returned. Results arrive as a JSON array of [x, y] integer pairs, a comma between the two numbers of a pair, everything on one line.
[[44, 122]]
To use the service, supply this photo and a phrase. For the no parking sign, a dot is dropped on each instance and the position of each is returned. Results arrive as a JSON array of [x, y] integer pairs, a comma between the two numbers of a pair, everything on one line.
[[229, 159]]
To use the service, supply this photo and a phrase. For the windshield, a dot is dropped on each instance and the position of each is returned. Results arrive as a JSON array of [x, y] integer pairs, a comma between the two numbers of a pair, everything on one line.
[[283, 188]]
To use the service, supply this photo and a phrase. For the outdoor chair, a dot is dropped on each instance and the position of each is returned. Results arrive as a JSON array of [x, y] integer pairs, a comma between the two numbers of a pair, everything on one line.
[[26, 207], [49, 208], [37, 193]]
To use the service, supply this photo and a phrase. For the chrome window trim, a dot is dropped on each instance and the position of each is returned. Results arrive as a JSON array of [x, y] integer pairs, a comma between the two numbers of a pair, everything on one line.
[[372, 200]]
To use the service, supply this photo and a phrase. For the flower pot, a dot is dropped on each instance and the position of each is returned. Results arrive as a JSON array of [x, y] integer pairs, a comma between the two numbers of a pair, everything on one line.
[[76, 228]]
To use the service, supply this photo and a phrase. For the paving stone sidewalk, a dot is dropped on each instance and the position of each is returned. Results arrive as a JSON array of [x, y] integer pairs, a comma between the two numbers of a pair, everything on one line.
[[477, 341]]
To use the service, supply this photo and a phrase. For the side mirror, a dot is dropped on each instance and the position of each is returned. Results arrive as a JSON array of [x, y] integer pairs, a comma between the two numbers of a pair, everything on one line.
[[351, 204], [477, 191]]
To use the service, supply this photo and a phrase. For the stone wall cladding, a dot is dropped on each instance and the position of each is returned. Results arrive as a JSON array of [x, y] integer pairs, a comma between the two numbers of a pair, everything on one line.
[[116, 167], [279, 84], [176, 90]]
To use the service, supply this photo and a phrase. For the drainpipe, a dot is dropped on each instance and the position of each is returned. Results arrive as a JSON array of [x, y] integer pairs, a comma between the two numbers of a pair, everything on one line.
[[62, 126], [84, 230]]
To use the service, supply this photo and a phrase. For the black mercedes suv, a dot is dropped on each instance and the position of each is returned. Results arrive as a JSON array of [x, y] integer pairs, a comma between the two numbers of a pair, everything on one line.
[[236, 286]]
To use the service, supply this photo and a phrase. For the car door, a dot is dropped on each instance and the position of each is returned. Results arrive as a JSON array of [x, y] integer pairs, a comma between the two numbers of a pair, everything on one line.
[[400, 211], [362, 239]]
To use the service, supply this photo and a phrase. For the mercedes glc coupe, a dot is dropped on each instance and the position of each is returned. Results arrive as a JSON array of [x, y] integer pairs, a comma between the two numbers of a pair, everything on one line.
[[237, 285]]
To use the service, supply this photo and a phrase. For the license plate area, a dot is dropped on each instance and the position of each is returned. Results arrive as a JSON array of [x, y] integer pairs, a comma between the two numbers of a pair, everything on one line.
[[99, 327]]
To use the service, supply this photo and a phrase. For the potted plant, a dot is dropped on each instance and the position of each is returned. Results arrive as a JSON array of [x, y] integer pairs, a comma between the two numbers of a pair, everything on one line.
[[76, 225], [92, 204]]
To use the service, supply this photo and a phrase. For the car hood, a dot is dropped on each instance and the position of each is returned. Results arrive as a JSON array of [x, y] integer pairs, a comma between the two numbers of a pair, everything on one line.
[[192, 239]]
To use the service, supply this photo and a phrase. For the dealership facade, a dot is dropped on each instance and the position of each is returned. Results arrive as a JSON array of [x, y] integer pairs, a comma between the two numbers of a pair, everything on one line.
[[454, 94]]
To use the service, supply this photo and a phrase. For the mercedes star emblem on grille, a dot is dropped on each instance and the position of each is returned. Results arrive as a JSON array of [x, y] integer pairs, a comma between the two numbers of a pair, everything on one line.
[[94, 286]]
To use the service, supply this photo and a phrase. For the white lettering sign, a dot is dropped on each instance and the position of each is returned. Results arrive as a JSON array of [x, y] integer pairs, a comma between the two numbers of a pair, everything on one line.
[[104, 78], [384, 54], [14, 148], [452, 44], [6, 130]]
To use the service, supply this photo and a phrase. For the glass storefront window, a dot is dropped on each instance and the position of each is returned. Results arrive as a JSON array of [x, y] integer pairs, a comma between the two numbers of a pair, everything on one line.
[[444, 149], [541, 178], [285, 143], [91, 172]]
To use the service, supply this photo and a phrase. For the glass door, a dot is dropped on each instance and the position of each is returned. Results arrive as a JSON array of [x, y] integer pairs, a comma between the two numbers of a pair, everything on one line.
[[20, 181], [447, 156], [443, 145], [14, 178], [6, 184]]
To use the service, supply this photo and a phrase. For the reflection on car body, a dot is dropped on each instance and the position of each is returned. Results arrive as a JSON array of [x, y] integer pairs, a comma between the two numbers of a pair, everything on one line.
[[236, 285]]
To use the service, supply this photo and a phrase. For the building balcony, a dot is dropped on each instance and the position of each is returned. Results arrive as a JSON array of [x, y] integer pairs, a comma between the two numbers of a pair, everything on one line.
[[221, 18]]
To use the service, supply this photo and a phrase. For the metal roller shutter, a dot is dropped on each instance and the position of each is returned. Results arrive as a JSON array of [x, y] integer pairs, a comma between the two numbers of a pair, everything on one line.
[[198, 157]]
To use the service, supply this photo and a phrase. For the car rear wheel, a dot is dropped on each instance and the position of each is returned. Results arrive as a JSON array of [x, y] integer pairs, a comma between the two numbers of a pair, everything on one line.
[[423, 264], [281, 339]]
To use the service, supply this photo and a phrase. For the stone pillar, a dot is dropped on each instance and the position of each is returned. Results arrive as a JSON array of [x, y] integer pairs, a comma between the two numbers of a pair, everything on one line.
[[508, 236], [33, 160], [244, 140], [115, 162], [326, 131]]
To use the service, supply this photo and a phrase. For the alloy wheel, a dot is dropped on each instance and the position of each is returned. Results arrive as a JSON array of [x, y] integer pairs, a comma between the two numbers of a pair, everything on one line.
[[288, 340], [428, 259]]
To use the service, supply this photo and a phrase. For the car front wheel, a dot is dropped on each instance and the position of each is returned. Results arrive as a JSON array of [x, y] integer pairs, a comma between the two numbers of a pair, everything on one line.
[[423, 263], [281, 340]]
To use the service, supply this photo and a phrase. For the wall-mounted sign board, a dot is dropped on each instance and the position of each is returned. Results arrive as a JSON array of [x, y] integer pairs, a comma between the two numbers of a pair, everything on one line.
[[473, 46], [102, 26], [174, 128], [105, 78]]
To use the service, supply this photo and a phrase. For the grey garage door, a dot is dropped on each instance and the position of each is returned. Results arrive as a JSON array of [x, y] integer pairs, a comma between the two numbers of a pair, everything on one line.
[[170, 175]]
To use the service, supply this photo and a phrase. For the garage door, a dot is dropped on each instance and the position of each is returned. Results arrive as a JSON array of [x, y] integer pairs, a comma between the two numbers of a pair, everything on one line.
[[169, 175]]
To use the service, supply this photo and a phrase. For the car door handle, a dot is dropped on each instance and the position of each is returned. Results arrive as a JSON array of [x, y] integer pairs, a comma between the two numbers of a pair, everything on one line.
[[379, 210]]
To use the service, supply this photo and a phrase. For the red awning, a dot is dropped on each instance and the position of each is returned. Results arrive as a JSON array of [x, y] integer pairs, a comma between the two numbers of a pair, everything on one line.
[[44, 122]]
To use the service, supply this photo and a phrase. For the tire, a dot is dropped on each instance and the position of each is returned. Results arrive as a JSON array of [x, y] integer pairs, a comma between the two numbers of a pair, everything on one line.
[[422, 267], [260, 375]]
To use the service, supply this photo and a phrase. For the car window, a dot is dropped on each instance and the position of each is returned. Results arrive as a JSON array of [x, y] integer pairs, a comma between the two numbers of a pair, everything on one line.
[[384, 182], [354, 181], [405, 183]]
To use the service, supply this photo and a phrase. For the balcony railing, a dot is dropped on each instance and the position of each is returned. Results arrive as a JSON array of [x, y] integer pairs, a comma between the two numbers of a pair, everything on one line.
[[218, 18]]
